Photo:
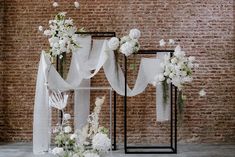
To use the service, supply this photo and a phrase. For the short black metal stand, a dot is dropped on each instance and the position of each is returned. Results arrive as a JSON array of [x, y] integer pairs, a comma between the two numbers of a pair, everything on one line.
[[172, 148], [101, 35]]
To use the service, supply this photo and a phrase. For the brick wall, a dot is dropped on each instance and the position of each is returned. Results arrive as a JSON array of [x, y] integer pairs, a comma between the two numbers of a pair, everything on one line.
[[1, 69], [205, 29]]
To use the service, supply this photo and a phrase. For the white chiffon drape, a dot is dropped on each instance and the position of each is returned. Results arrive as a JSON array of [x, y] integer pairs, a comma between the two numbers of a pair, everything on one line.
[[85, 64]]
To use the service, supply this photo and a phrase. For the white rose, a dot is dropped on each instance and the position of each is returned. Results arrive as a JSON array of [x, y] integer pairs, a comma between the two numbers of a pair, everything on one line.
[[183, 73], [126, 48], [188, 79], [174, 60], [202, 92], [40, 28], [168, 81], [134, 34], [101, 142], [113, 43], [73, 136], [69, 22], [161, 77], [125, 39], [171, 75], [162, 42], [177, 48], [58, 151], [171, 42], [67, 116], [76, 4], [67, 129], [191, 58], [47, 32], [55, 4]]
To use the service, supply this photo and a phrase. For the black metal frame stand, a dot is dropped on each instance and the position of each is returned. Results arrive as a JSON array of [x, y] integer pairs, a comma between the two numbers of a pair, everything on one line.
[[101, 35], [172, 148]]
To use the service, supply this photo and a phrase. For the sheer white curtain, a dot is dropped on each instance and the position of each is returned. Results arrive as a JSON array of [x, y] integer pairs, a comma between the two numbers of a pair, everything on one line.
[[82, 64]]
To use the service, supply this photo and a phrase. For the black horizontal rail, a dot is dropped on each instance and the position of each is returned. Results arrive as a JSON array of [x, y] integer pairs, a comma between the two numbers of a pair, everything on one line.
[[98, 34]]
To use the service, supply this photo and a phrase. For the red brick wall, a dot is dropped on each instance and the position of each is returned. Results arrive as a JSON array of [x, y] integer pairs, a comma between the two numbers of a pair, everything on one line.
[[205, 29], [1, 69]]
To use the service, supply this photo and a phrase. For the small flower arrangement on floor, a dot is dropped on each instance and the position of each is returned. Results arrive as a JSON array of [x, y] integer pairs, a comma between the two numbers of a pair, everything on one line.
[[177, 70], [91, 141], [61, 35], [128, 44]]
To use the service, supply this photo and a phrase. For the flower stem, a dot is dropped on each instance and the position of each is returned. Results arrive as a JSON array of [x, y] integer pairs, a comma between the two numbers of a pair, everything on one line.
[[165, 89]]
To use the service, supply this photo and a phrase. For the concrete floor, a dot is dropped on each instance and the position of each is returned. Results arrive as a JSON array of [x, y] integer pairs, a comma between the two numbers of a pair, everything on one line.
[[189, 150]]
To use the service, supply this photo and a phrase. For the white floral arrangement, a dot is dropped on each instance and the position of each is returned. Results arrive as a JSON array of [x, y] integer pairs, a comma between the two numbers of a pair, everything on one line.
[[61, 35], [91, 141], [128, 44], [177, 70]]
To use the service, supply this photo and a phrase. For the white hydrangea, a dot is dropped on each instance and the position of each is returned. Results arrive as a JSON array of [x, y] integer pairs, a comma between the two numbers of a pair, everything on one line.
[[101, 142], [171, 42], [67, 116], [134, 34], [162, 42], [113, 43], [67, 129], [125, 39], [58, 151], [73, 136], [126, 49]]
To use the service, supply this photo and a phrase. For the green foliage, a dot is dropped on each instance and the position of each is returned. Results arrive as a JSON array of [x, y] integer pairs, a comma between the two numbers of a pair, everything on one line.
[[165, 89]]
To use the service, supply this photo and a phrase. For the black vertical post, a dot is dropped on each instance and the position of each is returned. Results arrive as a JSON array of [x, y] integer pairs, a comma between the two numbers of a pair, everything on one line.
[[114, 119], [125, 107], [171, 117], [175, 119]]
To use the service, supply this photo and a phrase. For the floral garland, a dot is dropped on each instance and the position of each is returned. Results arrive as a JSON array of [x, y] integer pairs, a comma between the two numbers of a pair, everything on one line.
[[177, 70], [61, 35], [128, 44], [91, 141]]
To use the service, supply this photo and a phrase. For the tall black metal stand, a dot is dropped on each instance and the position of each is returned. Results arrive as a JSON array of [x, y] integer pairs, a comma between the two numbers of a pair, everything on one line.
[[172, 148], [100, 35]]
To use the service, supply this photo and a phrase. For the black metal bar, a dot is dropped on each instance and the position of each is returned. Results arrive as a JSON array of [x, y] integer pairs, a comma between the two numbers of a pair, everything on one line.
[[175, 119], [149, 147], [98, 34], [171, 148], [152, 51], [171, 116], [154, 152], [125, 107], [114, 118]]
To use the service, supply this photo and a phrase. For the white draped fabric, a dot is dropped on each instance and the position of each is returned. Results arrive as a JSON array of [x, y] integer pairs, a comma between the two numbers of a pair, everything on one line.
[[84, 65]]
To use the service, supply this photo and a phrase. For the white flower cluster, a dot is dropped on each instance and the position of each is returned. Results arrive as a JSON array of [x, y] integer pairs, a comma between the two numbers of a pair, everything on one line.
[[94, 117], [101, 142], [62, 35], [176, 69], [77, 144], [128, 44]]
